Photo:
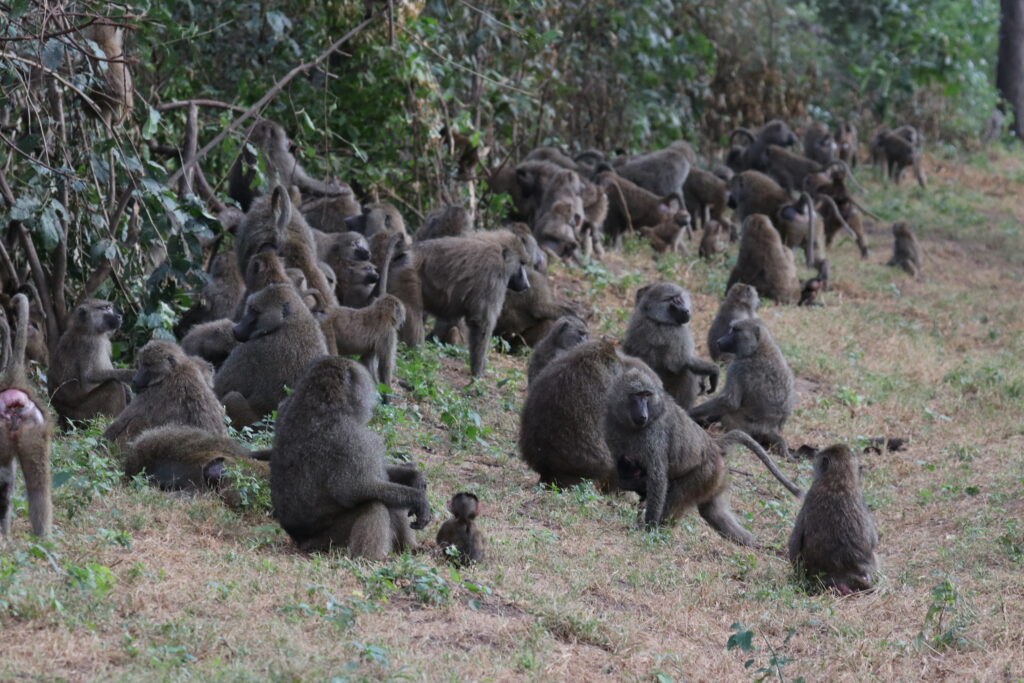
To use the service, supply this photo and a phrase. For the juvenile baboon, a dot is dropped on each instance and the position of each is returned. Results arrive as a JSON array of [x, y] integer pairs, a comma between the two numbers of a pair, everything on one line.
[[758, 396], [714, 239], [741, 303], [171, 388], [115, 97], [667, 237], [834, 537], [219, 298], [899, 153], [282, 167], [906, 253], [567, 332], [558, 229], [819, 144], [404, 283], [461, 532], [357, 282], [830, 184], [789, 168], [466, 278], [328, 214], [706, 196], [671, 462], [659, 335], [25, 429], [847, 143], [765, 263], [752, 157], [631, 207], [336, 247], [380, 217], [213, 341], [451, 221], [662, 172], [82, 381], [528, 315], [279, 336], [329, 482]]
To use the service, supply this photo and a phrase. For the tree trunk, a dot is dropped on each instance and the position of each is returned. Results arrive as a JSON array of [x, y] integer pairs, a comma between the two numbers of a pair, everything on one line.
[[1010, 66]]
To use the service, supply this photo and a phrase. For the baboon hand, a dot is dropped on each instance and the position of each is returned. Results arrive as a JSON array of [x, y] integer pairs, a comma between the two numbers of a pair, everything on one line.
[[423, 515]]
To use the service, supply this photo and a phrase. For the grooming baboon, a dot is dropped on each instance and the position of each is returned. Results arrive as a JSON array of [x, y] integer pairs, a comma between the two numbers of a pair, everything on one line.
[[213, 341], [847, 143], [567, 332], [329, 214], [528, 315], [758, 395], [587, 162], [329, 481], [380, 217], [532, 180], [819, 144], [834, 537], [25, 429], [667, 237], [906, 253], [765, 263], [705, 195], [279, 338], [219, 298], [451, 221], [171, 388], [558, 229], [82, 381], [461, 532], [662, 172], [672, 463], [466, 278], [631, 207], [115, 97], [595, 202], [752, 157], [659, 335], [714, 239], [404, 283], [741, 303], [899, 153]]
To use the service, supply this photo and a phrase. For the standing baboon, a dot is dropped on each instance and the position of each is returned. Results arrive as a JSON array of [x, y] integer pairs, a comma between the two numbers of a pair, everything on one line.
[[834, 537], [329, 482], [847, 143], [659, 335], [82, 381], [667, 237], [282, 167], [789, 168], [837, 205], [906, 252], [752, 192], [461, 532], [451, 221], [741, 303], [171, 388], [765, 263], [567, 332], [758, 395], [706, 196], [714, 239], [279, 338], [899, 149], [466, 278], [219, 298], [662, 172], [25, 429], [672, 463], [115, 97]]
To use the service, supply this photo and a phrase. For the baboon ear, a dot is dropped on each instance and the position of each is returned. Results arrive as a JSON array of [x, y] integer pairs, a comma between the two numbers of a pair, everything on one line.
[[641, 292]]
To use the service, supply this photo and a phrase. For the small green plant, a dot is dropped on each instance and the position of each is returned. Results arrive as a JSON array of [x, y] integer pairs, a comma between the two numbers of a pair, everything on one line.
[[83, 469], [250, 491], [408, 576], [744, 640], [93, 578], [947, 619]]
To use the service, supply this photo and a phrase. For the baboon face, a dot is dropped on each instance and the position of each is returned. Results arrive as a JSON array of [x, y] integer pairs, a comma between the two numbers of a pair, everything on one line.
[[96, 316], [900, 229], [778, 133], [744, 295], [363, 273], [672, 208], [267, 134], [571, 332], [297, 278], [156, 360], [635, 400], [265, 312], [351, 246], [262, 269], [743, 338], [515, 261], [465, 506], [665, 303]]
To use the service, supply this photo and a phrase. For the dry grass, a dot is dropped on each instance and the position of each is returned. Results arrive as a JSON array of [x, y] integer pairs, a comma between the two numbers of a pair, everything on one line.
[[572, 589]]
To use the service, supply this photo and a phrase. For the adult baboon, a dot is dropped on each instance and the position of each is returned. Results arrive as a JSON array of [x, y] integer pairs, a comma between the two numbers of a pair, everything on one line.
[[671, 462], [329, 482], [528, 315], [36, 347], [752, 157], [567, 332], [357, 282], [834, 537], [830, 184], [741, 303], [220, 296], [282, 167], [25, 429], [450, 221], [335, 247], [899, 149], [279, 338], [375, 218], [819, 144], [758, 396], [115, 96], [662, 172], [82, 381], [789, 168], [714, 239], [765, 263], [631, 207], [461, 532], [213, 341], [906, 252], [659, 335], [328, 214], [171, 388], [705, 196]]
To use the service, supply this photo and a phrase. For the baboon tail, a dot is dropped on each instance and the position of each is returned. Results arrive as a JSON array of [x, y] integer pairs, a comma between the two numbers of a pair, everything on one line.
[[738, 436]]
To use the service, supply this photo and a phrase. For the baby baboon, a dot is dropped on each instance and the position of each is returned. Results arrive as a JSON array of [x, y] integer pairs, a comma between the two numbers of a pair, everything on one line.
[[819, 144], [82, 381], [706, 196], [752, 157], [662, 172], [741, 303], [328, 214], [631, 207], [171, 388], [906, 253], [115, 97], [672, 463], [279, 338], [213, 341], [528, 315], [381, 217], [659, 335], [25, 429], [220, 297], [404, 283], [329, 481], [764, 263], [567, 332], [846, 143], [758, 395], [466, 278], [834, 537], [714, 239], [451, 221], [461, 532]]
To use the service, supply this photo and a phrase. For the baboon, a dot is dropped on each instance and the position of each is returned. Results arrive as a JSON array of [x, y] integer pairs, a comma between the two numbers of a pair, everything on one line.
[[264, 269], [282, 167], [560, 427], [819, 144], [659, 335], [461, 532], [82, 381], [357, 282], [115, 97], [551, 155], [631, 207], [834, 537], [789, 168], [279, 336], [810, 288], [587, 162], [723, 172], [714, 239], [329, 214], [595, 202], [758, 396], [662, 172], [799, 226], [404, 283], [336, 247], [906, 253], [847, 143], [558, 229], [219, 298], [765, 263], [171, 388], [567, 332], [741, 303], [528, 315], [467, 153], [667, 237], [899, 153], [672, 463], [451, 221], [752, 157], [531, 180], [831, 184], [36, 348], [466, 278], [753, 192], [380, 217], [329, 482], [213, 341], [26, 429], [705, 196]]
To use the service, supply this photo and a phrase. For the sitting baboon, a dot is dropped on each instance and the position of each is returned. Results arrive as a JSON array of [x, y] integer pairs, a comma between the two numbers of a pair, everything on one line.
[[461, 532], [567, 332], [631, 207], [279, 338], [741, 303], [328, 214], [329, 482], [450, 221], [765, 263], [375, 218], [672, 463], [706, 196], [213, 341], [171, 388], [528, 315], [752, 157], [335, 247], [219, 297], [758, 396], [466, 278], [26, 428], [82, 381], [659, 335], [834, 537], [714, 239], [906, 253], [819, 144]]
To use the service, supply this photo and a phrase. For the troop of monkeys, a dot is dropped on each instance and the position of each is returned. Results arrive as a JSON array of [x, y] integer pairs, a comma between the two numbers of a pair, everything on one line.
[[314, 277]]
